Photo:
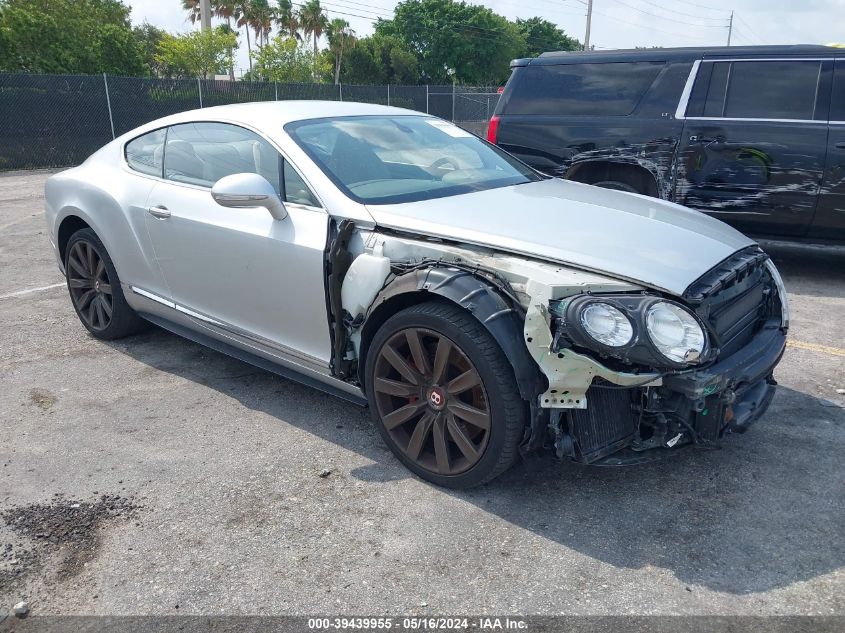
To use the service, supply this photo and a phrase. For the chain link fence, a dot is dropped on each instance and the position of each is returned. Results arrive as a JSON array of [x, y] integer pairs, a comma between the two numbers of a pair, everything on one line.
[[59, 120]]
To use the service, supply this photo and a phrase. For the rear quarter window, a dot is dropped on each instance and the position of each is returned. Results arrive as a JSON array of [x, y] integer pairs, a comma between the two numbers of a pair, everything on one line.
[[599, 89]]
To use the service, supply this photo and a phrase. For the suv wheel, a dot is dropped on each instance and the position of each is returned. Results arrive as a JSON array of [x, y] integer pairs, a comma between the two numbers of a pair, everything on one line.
[[95, 289], [444, 396]]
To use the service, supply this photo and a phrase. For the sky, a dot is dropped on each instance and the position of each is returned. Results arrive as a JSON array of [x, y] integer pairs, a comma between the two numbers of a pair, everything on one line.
[[616, 23]]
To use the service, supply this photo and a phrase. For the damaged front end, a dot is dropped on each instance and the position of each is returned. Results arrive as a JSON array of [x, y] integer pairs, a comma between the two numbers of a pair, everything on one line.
[[592, 403], [611, 405]]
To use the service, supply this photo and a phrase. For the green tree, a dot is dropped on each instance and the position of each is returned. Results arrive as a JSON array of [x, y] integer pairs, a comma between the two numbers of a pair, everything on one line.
[[244, 16], [148, 37], [68, 36], [380, 59], [287, 19], [542, 36], [227, 10], [262, 16], [196, 54], [313, 21], [282, 59], [341, 39], [443, 34]]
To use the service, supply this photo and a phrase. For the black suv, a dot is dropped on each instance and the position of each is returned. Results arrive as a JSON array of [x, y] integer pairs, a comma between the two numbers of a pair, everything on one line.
[[754, 136]]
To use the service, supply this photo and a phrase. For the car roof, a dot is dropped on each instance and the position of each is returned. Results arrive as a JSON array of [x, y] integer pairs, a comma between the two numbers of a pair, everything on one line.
[[678, 54], [260, 114]]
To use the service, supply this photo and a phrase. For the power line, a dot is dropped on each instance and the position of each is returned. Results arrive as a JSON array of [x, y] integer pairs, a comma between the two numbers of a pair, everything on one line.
[[750, 30], [689, 15], [651, 28], [663, 17]]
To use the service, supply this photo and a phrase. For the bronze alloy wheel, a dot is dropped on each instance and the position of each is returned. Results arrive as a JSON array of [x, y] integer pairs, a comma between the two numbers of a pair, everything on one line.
[[431, 400], [89, 285]]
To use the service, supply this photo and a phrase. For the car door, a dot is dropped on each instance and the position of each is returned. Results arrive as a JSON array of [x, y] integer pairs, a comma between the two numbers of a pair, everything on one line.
[[143, 157], [753, 148], [239, 270], [829, 222]]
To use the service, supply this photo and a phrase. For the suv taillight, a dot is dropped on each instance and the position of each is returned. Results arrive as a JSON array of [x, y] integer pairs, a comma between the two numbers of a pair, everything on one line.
[[493, 128]]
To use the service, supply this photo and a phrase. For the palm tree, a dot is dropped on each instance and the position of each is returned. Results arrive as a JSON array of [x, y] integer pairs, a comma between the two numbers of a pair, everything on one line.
[[287, 19], [262, 20], [194, 9], [313, 22], [243, 15], [227, 9], [340, 37]]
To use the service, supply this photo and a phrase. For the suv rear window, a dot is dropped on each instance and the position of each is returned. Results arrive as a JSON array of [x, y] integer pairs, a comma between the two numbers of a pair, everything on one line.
[[756, 90], [609, 89]]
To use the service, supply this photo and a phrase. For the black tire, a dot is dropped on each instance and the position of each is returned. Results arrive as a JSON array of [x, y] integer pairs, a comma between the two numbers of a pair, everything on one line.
[[493, 389], [616, 185], [95, 290]]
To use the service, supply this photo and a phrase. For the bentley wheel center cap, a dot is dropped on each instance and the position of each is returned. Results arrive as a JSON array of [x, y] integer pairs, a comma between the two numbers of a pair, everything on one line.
[[436, 398]]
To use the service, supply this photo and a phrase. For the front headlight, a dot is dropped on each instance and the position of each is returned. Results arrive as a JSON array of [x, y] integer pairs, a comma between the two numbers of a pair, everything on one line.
[[607, 325], [675, 332]]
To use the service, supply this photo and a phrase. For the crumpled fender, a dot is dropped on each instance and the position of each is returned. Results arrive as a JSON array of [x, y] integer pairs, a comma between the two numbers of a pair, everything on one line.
[[500, 315]]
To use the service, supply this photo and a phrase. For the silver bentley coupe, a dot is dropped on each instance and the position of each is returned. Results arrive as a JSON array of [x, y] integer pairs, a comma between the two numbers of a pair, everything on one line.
[[481, 309]]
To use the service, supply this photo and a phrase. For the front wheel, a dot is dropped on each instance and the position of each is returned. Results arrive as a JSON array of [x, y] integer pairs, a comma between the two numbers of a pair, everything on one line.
[[444, 396]]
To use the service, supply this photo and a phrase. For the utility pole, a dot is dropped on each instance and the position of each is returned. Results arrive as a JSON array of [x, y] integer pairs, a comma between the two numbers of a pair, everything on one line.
[[205, 15], [730, 28], [589, 20]]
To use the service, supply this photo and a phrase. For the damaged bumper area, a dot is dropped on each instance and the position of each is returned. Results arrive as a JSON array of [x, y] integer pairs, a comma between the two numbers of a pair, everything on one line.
[[601, 409]]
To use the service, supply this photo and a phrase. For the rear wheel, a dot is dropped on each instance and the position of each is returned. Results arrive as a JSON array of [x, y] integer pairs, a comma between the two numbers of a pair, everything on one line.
[[95, 289], [444, 396]]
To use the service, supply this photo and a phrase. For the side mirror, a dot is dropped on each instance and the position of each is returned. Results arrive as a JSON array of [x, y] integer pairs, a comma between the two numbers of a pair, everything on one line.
[[240, 191]]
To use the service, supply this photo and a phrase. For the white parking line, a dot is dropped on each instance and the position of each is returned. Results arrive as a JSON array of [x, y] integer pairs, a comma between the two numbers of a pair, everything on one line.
[[21, 293]]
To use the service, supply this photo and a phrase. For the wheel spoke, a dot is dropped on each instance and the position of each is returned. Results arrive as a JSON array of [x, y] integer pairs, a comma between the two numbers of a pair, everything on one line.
[[90, 258], [402, 414], [92, 313], [420, 434], [417, 352], [74, 282], [395, 388], [465, 412], [461, 439], [85, 299], [441, 446], [441, 359], [466, 380], [106, 306], [400, 364], [101, 314], [77, 265], [101, 267], [105, 288]]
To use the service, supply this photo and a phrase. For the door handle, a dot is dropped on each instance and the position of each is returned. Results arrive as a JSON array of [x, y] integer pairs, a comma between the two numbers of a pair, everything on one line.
[[840, 146], [159, 211]]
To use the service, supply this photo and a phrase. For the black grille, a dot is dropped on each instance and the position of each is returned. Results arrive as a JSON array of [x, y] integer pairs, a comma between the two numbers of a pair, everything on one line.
[[733, 298], [605, 425]]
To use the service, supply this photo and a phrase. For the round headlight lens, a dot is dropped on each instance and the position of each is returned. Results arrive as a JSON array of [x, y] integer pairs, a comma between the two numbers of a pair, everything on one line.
[[675, 332], [607, 324]]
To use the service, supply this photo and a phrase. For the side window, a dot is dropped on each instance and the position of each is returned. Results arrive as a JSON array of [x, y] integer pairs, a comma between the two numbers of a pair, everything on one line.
[[203, 153], [296, 191], [757, 90], [144, 154], [597, 89]]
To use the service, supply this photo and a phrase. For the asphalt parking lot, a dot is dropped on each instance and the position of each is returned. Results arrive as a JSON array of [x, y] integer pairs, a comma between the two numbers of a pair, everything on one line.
[[215, 501]]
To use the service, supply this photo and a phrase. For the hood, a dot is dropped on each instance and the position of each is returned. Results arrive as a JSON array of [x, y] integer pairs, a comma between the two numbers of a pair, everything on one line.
[[637, 238]]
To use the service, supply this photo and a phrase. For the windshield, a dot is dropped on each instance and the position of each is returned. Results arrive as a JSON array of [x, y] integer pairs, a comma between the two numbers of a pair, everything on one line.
[[394, 159]]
